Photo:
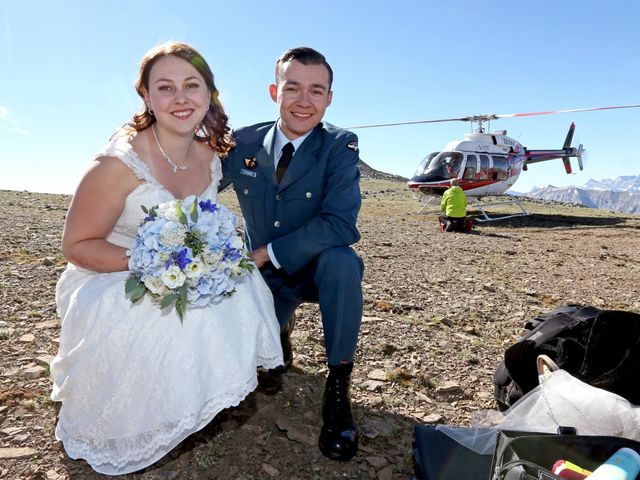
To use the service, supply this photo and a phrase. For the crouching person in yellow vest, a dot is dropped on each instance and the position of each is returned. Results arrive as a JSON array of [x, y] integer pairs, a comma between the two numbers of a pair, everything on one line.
[[454, 209]]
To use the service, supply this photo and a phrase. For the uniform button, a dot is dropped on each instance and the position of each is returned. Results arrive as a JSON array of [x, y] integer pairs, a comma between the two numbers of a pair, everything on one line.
[[278, 197], [246, 191], [276, 224], [309, 195]]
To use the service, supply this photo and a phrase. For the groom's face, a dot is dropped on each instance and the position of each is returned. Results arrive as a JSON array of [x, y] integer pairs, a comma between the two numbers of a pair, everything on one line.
[[302, 94]]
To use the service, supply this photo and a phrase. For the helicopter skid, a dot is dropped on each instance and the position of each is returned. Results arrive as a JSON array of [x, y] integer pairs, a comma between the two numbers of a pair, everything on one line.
[[486, 218]]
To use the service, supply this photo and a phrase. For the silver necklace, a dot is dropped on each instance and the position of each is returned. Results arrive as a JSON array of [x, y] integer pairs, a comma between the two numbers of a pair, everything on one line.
[[174, 165]]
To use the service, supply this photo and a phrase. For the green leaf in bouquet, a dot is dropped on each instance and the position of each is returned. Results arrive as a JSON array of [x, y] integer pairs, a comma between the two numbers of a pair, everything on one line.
[[167, 300], [138, 293], [131, 284], [247, 264], [181, 301], [193, 211], [144, 209]]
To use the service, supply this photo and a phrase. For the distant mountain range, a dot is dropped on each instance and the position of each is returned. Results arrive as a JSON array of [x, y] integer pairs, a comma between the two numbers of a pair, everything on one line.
[[619, 195]]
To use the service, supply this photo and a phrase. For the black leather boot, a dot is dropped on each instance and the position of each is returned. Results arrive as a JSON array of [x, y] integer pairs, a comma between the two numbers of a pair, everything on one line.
[[270, 381], [285, 340], [339, 434]]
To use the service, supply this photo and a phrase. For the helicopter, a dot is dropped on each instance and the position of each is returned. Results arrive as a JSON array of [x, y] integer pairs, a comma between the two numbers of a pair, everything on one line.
[[487, 164]]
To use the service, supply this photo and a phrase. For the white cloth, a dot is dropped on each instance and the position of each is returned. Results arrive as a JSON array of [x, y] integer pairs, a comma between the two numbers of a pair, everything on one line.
[[135, 381]]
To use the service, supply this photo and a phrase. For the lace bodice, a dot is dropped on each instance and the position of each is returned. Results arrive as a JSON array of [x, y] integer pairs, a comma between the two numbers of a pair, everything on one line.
[[149, 193]]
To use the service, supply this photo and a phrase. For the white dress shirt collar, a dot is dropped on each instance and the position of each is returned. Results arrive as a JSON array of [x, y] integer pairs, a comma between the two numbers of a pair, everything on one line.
[[281, 140]]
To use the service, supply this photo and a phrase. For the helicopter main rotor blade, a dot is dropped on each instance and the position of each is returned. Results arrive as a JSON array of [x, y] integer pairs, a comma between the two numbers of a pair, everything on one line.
[[493, 116], [460, 119], [572, 110]]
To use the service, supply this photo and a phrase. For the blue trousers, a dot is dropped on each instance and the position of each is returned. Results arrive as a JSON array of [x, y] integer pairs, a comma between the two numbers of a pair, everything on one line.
[[334, 281]]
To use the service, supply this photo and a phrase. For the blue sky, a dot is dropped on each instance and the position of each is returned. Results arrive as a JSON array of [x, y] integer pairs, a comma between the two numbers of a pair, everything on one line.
[[67, 68]]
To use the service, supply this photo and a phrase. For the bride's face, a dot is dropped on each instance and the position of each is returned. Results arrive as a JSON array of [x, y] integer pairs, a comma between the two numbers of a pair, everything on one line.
[[177, 95]]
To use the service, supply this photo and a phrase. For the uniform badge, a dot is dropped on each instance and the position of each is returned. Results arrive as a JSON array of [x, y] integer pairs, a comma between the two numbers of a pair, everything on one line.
[[250, 163], [353, 146]]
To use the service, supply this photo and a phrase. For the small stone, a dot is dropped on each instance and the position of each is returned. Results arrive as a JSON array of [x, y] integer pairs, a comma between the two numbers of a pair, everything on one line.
[[27, 338], [377, 462], [378, 374], [386, 473], [45, 360], [11, 430], [12, 372], [433, 418], [33, 372], [52, 475], [449, 388], [48, 261], [447, 321], [24, 452], [47, 324], [423, 397], [270, 470], [372, 385], [298, 435]]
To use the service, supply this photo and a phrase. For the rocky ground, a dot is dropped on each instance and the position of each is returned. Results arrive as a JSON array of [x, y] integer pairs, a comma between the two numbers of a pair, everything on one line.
[[440, 309]]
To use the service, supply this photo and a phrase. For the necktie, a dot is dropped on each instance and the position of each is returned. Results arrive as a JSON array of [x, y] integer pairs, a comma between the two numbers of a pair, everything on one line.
[[285, 160]]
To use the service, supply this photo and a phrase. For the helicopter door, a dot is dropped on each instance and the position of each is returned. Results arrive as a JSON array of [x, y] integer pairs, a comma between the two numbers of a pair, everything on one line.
[[470, 169]]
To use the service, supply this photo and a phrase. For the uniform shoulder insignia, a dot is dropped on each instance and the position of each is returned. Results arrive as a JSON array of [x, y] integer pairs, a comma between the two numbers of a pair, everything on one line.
[[353, 146]]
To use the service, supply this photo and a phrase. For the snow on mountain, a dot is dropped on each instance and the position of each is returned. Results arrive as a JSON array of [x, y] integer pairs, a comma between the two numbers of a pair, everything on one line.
[[621, 194], [626, 183]]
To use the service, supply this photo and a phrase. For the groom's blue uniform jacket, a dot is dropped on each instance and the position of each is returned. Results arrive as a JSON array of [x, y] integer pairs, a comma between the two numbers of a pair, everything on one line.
[[316, 204]]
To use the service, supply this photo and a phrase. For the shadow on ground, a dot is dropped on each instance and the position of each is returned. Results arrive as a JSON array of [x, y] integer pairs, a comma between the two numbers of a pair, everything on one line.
[[275, 436], [538, 220]]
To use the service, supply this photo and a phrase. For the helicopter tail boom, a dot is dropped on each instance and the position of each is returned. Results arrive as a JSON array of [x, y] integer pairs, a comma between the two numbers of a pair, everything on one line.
[[567, 151]]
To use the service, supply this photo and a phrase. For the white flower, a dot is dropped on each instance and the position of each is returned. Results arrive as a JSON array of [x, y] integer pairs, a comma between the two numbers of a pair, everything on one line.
[[154, 284], [195, 269], [169, 210], [173, 277]]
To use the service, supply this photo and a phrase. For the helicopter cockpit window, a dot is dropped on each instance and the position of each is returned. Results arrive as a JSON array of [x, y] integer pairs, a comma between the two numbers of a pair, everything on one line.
[[444, 166], [500, 167], [424, 164]]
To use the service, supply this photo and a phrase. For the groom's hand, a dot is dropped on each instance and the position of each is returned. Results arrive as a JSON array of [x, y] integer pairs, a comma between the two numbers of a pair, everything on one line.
[[260, 256]]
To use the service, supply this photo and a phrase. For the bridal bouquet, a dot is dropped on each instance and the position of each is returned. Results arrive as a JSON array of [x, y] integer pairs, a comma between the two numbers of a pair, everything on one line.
[[186, 253]]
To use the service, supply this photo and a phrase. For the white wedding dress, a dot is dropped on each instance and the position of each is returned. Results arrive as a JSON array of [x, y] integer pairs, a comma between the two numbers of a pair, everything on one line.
[[134, 381]]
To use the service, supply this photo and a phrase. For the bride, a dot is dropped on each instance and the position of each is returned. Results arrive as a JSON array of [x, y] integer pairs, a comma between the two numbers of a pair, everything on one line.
[[134, 380]]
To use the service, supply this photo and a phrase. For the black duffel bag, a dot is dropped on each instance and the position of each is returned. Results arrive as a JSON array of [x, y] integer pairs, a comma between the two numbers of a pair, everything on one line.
[[599, 347]]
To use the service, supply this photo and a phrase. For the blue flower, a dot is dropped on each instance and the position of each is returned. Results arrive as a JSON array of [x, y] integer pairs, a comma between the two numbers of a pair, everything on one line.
[[232, 254], [180, 259], [207, 206]]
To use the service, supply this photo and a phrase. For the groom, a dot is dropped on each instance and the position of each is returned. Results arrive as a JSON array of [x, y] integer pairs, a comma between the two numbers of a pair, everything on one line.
[[297, 181]]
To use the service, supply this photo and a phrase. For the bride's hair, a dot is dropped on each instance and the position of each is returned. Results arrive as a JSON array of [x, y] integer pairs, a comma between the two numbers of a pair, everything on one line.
[[213, 130]]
